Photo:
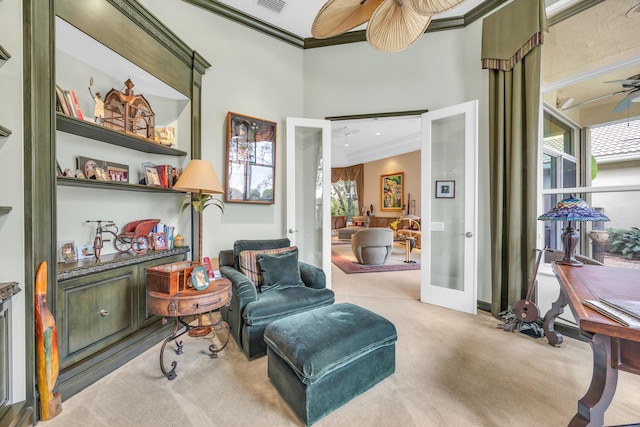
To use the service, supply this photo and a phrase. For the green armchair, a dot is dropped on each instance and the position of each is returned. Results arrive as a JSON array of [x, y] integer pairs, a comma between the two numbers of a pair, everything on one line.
[[253, 307]]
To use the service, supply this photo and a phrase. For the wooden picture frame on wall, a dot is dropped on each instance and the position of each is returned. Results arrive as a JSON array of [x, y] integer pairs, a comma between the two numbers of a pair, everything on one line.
[[392, 192], [251, 160]]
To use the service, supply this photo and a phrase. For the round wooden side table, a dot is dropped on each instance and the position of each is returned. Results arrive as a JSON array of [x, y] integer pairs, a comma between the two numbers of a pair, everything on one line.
[[186, 303]]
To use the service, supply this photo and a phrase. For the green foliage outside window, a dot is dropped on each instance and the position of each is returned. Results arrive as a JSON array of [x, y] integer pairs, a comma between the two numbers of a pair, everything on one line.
[[344, 200], [624, 242]]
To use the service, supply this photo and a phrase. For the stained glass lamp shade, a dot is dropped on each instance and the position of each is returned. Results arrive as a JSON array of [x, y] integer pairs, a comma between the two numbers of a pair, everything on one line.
[[571, 209]]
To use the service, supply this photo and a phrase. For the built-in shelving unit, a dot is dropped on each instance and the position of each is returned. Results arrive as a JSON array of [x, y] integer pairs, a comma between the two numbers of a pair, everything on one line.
[[90, 345]]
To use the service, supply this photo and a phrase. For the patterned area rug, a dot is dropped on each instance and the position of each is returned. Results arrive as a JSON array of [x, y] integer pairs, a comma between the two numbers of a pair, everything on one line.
[[342, 257]]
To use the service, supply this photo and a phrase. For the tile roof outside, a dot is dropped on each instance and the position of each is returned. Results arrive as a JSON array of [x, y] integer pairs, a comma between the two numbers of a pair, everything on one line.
[[615, 140]]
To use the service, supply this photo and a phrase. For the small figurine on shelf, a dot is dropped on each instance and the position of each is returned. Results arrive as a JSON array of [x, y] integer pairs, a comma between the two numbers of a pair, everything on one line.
[[98, 112]]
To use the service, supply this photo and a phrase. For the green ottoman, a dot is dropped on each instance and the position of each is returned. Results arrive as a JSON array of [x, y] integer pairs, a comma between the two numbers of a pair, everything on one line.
[[321, 359]]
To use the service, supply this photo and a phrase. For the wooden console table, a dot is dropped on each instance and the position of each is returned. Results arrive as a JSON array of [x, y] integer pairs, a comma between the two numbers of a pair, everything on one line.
[[615, 347], [186, 303]]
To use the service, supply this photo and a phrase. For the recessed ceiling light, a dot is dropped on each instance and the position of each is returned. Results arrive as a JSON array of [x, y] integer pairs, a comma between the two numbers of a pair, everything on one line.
[[346, 145], [378, 133]]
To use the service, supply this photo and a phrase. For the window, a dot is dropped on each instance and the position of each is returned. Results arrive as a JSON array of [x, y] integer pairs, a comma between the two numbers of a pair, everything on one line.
[[601, 165], [344, 199]]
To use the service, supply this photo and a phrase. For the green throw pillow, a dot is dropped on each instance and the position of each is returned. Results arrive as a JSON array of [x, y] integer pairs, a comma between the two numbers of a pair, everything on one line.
[[280, 270]]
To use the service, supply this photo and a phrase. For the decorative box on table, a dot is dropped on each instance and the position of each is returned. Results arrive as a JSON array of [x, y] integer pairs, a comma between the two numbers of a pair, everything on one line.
[[171, 278]]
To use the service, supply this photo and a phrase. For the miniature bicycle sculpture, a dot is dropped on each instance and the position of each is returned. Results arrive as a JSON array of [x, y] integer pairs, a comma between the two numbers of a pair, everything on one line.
[[134, 236]]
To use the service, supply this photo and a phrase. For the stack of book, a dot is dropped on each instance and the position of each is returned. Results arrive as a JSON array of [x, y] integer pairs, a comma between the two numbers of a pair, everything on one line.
[[625, 312], [67, 103]]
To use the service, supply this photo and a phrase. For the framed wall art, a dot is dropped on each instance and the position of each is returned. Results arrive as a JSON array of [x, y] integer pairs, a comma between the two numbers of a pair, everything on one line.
[[445, 189], [392, 191], [251, 151]]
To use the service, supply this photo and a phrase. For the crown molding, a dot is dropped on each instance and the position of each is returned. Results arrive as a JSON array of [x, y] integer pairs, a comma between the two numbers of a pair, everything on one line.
[[444, 24], [249, 21]]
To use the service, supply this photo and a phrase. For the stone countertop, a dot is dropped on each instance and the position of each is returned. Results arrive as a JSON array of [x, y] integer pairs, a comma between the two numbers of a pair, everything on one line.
[[84, 267]]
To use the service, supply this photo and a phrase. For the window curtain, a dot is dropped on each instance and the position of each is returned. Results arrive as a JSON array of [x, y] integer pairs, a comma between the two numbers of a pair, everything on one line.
[[511, 50], [351, 173]]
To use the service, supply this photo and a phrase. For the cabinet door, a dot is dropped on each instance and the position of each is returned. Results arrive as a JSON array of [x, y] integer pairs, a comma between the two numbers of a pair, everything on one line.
[[94, 312]]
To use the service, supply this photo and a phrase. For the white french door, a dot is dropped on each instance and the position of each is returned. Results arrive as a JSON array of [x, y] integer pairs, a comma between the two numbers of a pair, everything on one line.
[[308, 219], [449, 207]]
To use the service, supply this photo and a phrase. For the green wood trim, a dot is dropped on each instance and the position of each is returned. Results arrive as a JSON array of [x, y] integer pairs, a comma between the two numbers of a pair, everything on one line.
[[4, 131], [136, 39], [39, 167], [572, 11], [481, 10], [112, 185], [4, 55], [5, 210], [377, 115], [93, 131], [249, 21]]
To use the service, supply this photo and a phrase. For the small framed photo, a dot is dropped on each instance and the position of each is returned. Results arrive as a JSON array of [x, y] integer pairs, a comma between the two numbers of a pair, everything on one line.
[[67, 252], [445, 189], [160, 242], [151, 176], [117, 172], [200, 278], [85, 251]]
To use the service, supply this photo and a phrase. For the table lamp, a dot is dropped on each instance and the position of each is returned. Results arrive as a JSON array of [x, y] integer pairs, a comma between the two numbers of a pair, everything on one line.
[[411, 219], [571, 209], [201, 181]]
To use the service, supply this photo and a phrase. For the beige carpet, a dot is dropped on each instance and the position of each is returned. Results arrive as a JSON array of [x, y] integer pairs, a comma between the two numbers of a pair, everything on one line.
[[453, 369]]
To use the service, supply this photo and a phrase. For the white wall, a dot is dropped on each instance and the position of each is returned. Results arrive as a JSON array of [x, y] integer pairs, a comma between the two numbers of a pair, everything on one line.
[[252, 74], [12, 189], [441, 69]]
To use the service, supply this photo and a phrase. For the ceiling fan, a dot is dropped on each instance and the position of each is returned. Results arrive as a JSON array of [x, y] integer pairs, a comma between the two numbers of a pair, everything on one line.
[[393, 25], [630, 86]]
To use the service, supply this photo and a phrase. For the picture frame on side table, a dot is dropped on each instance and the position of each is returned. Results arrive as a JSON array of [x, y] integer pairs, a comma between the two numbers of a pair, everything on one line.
[[445, 189], [199, 278], [392, 191], [250, 168]]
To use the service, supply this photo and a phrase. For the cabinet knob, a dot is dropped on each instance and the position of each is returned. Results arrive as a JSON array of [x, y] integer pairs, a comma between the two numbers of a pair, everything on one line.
[[104, 313]]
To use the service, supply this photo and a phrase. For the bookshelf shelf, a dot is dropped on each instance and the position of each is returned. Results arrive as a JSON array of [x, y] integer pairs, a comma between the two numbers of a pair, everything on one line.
[[4, 55], [111, 185], [93, 131], [5, 210]]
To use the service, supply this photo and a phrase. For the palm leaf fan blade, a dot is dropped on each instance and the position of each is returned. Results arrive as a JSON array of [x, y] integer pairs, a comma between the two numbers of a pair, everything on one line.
[[432, 7], [339, 16], [394, 27]]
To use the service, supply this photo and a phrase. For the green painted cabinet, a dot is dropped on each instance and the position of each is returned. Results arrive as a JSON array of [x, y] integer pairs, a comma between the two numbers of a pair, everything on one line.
[[102, 317]]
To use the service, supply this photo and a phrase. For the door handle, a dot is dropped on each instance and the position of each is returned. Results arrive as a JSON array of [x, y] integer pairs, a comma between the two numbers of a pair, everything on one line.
[[291, 231]]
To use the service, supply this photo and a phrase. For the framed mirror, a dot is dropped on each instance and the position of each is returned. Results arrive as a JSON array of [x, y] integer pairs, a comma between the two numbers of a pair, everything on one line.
[[251, 165]]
